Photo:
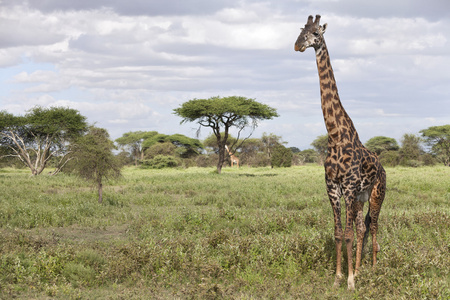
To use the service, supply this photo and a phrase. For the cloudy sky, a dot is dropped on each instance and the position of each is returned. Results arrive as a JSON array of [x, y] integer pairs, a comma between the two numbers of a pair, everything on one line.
[[127, 64]]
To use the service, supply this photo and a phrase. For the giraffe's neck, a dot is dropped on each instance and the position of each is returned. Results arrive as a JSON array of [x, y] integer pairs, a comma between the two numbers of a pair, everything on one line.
[[339, 125]]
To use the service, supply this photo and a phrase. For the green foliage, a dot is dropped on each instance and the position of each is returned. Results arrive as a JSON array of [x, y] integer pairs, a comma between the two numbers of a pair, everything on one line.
[[269, 142], [185, 146], [166, 148], [295, 150], [380, 144], [389, 158], [160, 162], [320, 144], [62, 124], [281, 156], [186, 233], [309, 156], [94, 157], [253, 153], [40, 135], [411, 150], [133, 142], [220, 114], [438, 138], [231, 111]]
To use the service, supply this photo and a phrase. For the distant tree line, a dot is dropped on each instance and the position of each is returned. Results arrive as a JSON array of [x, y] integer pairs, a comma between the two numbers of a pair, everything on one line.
[[60, 139], [429, 148]]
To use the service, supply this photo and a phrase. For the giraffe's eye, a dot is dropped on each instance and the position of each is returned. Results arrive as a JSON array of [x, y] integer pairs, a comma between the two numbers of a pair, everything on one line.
[[316, 33]]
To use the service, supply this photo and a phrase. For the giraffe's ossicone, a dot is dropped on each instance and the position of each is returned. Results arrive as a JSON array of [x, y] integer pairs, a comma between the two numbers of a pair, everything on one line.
[[351, 170]]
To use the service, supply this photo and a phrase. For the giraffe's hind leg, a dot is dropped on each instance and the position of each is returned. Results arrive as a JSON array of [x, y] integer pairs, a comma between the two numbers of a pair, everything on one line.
[[375, 202], [360, 231]]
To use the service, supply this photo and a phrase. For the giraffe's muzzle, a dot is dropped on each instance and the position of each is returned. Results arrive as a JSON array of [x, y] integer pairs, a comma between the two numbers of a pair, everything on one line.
[[301, 49]]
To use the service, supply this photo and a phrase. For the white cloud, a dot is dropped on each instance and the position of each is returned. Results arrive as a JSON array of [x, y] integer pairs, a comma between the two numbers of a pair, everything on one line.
[[127, 68]]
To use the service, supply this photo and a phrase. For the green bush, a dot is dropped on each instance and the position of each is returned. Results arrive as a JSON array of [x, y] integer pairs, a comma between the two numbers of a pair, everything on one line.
[[160, 162], [389, 158], [281, 156]]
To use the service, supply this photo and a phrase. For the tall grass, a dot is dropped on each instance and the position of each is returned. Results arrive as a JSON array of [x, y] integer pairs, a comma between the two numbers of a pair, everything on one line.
[[245, 234]]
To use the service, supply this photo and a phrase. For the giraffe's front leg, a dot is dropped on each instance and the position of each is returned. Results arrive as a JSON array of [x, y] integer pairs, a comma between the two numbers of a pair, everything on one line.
[[334, 195], [349, 237], [338, 236]]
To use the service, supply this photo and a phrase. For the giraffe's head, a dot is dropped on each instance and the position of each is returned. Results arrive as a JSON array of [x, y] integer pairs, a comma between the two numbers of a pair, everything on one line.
[[311, 35]]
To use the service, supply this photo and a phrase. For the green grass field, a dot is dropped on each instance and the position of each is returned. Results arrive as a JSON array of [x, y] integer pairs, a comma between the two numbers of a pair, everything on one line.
[[249, 233]]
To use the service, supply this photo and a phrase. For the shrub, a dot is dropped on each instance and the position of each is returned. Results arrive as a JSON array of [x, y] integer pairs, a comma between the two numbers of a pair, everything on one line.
[[160, 149], [281, 156], [389, 158], [160, 162]]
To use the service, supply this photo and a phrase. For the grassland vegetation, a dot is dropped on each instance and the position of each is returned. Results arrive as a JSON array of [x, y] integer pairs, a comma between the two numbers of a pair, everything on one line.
[[249, 233]]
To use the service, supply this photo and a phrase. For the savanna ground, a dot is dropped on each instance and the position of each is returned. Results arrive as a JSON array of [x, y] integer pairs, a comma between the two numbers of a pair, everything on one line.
[[249, 233]]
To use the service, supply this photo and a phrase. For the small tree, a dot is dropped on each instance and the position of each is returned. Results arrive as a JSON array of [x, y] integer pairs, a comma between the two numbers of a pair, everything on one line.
[[270, 141], [41, 135], [320, 144], [220, 114], [389, 158], [411, 150], [379, 144], [281, 156], [438, 138], [132, 141], [95, 159], [295, 150], [309, 155], [251, 152]]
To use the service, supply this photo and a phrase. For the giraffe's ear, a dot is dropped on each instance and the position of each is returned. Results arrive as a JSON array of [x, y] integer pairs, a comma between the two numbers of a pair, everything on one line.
[[324, 28]]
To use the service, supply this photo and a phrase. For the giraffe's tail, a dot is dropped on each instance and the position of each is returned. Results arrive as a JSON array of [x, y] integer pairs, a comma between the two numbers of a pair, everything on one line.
[[367, 223]]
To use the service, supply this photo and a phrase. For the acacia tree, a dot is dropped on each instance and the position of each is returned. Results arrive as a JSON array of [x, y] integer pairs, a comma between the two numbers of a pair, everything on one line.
[[185, 147], [379, 144], [411, 149], [438, 137], [95, 159], [270, 141], [40, 135], [220, 114], [133, 142], [320, 144]]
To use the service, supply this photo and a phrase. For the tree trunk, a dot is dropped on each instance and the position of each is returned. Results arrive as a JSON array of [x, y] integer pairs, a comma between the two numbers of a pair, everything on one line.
[[100, 192], [221, 157]]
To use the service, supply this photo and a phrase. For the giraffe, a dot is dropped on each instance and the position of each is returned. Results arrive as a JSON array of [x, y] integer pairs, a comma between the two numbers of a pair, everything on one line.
[[351, 170], [234, 159]]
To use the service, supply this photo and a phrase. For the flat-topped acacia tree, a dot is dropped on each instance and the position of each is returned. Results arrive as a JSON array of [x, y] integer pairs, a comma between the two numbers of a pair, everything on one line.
[[40, 135], [222, 113]]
